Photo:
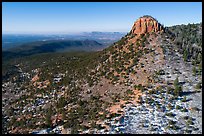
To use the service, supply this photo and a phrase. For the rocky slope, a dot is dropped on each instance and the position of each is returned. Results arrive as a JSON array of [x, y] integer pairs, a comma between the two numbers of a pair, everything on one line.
[[132, 60], [139, 59]]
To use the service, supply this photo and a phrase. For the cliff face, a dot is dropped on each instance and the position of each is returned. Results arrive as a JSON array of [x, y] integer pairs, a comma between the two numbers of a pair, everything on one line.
[[146, 24]]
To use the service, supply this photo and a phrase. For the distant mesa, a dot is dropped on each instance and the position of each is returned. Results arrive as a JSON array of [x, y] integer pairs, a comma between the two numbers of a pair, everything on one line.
[[146, 24]]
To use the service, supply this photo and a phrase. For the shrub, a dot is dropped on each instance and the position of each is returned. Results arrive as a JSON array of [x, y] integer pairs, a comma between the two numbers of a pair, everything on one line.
[[161, 72], [129, 92], [184, 99], [176, 82], [184, 110], [198, 86], [170, 114], [190, 121], [169, 90], [194, 71], [178, 107]]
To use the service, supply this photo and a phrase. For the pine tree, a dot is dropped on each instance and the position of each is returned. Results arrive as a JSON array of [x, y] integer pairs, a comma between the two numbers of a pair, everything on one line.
[[184, 99], [185, 55], [176, 82], [63, 115], [199, 58], [194, 71], [48, 117]]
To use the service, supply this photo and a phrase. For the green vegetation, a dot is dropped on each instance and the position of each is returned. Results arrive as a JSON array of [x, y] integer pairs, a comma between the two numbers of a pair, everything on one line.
[[160, 72], [169, 90], [48, 117], [184, 110], [152, 91], [171, 122], [176, 82], [188, 39], [177, 88], [198, 85], [172, 125], [129, 92], [194, 70], [178, 107], [184, 99], [190, 121], [61, 103], [139, 87], [185, 55]]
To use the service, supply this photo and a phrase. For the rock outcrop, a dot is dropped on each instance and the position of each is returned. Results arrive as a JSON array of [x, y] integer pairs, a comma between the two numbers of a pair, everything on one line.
[[146, 24]]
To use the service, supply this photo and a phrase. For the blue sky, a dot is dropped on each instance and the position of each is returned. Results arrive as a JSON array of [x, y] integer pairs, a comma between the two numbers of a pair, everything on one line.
[[74, 17]]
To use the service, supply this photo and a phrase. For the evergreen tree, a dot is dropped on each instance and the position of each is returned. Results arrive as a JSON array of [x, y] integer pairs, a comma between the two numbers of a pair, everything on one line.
[[178, 88], [199, 58], [48, 117], [63, 115], [176, 82], [184, 99], [194, 71], [185, 55]]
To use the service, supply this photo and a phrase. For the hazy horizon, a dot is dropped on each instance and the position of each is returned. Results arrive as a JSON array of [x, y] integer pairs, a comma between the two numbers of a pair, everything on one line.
[[58, 33], [79, 17], [73, 33]]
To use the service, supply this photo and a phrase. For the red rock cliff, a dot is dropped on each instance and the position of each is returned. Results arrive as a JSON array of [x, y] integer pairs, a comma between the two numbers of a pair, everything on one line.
[[146, 24]]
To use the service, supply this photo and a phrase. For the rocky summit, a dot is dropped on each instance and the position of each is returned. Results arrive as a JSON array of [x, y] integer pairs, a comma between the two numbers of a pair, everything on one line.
[[146, 24]]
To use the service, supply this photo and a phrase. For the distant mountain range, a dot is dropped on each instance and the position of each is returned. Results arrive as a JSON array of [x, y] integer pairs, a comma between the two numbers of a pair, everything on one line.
[[13, 40], [32, 48]]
